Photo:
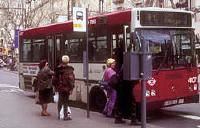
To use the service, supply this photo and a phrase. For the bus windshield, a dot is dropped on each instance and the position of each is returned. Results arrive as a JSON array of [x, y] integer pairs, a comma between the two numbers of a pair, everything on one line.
[[169, 48]]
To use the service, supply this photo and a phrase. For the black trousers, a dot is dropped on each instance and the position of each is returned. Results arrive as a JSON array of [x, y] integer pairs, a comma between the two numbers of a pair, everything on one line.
[[126, 106], [63, 101]]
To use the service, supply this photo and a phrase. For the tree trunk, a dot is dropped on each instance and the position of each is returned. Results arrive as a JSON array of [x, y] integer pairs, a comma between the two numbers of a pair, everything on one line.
[[149, 3], [173, 5], [68, 10]]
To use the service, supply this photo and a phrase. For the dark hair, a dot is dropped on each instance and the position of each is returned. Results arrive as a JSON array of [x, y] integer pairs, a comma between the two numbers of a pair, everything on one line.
[[42, 64]]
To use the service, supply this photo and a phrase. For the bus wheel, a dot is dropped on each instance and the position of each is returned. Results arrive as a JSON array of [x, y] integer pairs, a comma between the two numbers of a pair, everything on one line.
[[97, 99]]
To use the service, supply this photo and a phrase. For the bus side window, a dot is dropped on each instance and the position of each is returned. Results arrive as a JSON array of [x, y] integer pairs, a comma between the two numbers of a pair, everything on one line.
[[38, 50], [50, 52], [92, 49], [114, 43], [129, 43], [102, 50], [58, 47], [26, 50], [74, 49]]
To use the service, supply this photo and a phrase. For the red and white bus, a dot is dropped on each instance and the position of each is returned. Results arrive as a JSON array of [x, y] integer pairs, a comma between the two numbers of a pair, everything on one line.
[[167, 33]]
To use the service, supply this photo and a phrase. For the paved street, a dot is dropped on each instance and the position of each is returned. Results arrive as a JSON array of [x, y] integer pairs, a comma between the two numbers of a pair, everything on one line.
[[153, 45], [18, 110]]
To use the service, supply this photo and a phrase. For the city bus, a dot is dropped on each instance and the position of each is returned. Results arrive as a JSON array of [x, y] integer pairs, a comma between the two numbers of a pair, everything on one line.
[[168, 35]]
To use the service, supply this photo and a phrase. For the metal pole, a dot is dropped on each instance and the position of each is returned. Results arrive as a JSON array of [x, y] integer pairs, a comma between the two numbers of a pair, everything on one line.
[[87, 66], [25, 18], [143, 110], [99, 6], [102, 6], [23, 15], [143, 82], [52, 12], [68, 8]]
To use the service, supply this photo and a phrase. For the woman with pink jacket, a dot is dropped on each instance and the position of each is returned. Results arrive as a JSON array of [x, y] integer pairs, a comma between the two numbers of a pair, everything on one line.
[[112, 94]]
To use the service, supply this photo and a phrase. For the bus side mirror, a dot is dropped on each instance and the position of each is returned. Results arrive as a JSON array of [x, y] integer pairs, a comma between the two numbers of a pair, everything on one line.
[[132, 65]]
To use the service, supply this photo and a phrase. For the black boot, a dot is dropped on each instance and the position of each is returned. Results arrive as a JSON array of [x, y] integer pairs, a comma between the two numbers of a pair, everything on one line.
[[135, 122], [119, 121]]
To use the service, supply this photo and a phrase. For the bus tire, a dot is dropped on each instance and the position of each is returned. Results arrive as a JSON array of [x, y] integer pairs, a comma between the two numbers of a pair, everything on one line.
[[97, 99]]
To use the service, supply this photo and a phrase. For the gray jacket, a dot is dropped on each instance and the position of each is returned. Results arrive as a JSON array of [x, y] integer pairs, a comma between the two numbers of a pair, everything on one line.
[[44, 77]]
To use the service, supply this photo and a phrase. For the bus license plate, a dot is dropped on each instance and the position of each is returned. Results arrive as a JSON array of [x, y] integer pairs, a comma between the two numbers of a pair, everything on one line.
[[173, 102]]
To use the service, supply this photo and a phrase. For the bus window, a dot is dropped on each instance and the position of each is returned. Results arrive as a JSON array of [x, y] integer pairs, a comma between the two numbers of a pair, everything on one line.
[[130, 46], [92, 49], [57, 44], [58, 48], [26, 50], [66, 47], [101, 49], [114, 41], [74, 49], [38, 50], [182, 49], [158, 43], [120, 36], [51, 53]]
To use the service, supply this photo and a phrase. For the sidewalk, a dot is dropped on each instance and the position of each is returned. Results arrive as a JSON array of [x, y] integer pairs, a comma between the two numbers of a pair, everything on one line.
[[20, 111]]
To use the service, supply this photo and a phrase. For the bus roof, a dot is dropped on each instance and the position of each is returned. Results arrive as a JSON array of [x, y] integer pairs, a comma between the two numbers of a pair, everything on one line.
[[108, 19], [161, 9]]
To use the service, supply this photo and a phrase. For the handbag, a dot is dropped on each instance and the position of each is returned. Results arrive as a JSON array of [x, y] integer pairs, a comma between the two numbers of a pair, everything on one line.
[[104, 84], [114, 81], [55, 97]]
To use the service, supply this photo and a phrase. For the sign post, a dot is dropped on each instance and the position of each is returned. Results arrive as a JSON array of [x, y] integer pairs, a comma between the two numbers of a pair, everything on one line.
[[80, 24], [79, 19], [16, 41]]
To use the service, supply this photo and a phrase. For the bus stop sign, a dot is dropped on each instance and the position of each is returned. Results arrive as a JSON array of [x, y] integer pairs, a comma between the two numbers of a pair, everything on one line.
[[79, 19]]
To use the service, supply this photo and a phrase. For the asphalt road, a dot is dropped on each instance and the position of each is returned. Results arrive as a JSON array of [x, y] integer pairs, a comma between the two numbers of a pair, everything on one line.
[[10, 78]]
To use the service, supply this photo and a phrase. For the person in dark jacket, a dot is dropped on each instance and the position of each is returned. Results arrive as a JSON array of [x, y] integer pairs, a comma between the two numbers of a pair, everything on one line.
[[118, 54], [65, 78], [44, 86], [125, 103]]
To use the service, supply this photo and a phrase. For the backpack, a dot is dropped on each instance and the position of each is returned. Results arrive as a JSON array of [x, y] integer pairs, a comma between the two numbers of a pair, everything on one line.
[[68, 77], [65, 78]]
